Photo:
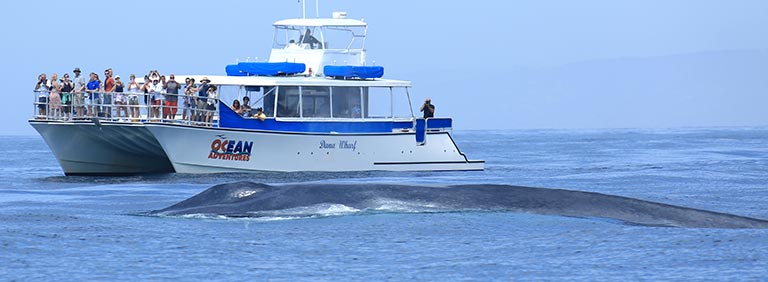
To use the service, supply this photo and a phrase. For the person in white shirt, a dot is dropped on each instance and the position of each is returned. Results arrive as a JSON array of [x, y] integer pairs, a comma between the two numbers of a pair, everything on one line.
[[42, 86], [212, 103], [156, 90], [78, 102]]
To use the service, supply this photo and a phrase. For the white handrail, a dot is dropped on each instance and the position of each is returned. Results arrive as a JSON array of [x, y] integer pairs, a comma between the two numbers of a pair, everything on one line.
[[123, 107]]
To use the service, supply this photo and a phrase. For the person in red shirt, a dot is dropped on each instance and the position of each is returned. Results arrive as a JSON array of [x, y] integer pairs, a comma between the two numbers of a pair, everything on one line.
[[109, 87]]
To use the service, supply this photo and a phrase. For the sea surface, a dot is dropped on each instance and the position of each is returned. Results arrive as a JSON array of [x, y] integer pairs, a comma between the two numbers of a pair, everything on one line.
[[57, 228]]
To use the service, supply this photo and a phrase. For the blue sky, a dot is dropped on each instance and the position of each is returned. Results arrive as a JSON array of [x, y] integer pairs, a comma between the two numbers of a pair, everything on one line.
[[489, 64]]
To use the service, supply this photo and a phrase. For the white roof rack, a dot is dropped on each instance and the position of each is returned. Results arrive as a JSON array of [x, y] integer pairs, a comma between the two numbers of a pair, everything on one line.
[[295, 81], [321, 22]]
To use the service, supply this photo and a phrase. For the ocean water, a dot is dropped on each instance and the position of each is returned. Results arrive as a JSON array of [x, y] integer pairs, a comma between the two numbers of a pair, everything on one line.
[[61, 228]]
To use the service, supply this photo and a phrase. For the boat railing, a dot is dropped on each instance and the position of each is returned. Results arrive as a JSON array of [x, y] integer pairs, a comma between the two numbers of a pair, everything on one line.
[[125, 107]]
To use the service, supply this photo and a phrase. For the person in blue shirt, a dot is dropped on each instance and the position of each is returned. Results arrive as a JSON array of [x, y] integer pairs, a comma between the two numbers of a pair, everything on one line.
[[92, 88]]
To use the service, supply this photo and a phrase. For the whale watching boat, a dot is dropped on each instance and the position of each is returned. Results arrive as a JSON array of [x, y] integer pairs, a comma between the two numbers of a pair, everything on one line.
[[322, 108]]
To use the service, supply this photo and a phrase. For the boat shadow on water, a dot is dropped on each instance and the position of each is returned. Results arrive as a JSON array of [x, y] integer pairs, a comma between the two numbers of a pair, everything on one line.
[[255, 200]]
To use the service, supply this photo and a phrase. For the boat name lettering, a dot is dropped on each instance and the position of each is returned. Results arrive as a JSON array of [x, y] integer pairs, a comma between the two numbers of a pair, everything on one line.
[[343, 144], [223, 149]]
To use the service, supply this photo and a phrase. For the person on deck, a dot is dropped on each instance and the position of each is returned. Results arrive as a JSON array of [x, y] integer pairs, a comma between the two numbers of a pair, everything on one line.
[[247, 111], [171, 98], [202, 99], [211, 104], [120, 99], [78, 102], [260, 114], [236, 107], [428, 109], [189, 100], [156, 91], [92, 88], [42, 98], [133, 98], [109, 88], [54, 97], [66, 95]]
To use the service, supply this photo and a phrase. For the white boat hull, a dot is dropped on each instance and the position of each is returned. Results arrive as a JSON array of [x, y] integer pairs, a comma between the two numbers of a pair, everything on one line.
[[202, 150], [87, 148]]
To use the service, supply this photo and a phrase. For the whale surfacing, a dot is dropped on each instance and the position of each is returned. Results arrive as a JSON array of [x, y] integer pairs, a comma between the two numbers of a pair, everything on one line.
[[248, 199]]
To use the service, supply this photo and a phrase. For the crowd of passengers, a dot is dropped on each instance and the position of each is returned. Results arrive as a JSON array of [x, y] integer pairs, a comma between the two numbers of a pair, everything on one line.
[[77, 98]]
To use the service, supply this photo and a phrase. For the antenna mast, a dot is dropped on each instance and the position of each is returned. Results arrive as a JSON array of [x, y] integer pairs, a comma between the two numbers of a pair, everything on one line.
[[303, 9]]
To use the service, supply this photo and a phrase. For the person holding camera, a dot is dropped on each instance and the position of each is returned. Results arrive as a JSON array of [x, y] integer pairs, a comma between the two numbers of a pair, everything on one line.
[[428, 109], [42, 99]]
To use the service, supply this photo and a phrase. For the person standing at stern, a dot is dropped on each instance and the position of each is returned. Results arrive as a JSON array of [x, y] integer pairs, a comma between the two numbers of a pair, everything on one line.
[[428, 109]]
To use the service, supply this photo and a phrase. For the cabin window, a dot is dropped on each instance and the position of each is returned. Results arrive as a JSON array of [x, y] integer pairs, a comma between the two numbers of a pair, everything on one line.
[[257, 99], [401, 106], [228, 93], [315, 101], [312, 37], [378, 102], [346, 102], [298, 37], [288, 101], [269, 101], [344, 37]]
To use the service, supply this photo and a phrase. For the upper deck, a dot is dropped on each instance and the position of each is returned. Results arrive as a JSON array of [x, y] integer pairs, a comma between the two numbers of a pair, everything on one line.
[[319, 42]]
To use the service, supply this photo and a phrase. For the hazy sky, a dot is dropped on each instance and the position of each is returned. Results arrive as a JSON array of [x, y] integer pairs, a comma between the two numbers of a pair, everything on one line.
[[446, 48]]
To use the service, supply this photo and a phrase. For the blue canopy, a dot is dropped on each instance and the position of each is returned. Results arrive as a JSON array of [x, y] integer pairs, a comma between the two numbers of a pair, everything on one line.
[[234, 70], [271, 69], [363, 72]]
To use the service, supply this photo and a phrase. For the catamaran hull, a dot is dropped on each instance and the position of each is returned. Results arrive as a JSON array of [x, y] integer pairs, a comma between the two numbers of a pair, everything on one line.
[[87, 148], [214, 150]]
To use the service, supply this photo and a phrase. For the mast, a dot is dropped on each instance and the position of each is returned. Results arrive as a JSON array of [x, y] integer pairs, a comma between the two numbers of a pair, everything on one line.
[[304, 9]]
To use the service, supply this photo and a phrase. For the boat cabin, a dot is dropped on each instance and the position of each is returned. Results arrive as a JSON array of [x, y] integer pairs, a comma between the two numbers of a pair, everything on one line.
[[299, 104]]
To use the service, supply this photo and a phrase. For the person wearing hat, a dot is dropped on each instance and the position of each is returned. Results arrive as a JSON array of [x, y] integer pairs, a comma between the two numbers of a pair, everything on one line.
[[260, 114], [202, 98], [120, 99], [79, 98]]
